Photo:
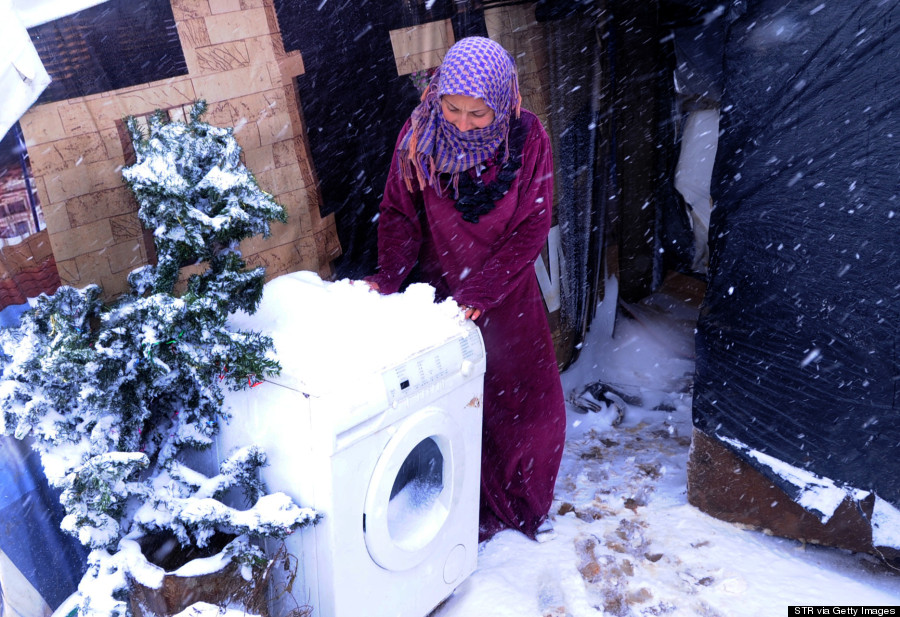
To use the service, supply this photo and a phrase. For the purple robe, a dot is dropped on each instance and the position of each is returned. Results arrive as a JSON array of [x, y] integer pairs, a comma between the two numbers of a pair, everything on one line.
[[490, 265]]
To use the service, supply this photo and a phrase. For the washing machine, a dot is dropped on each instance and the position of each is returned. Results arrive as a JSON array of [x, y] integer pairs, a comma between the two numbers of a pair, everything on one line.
[[388, 450]]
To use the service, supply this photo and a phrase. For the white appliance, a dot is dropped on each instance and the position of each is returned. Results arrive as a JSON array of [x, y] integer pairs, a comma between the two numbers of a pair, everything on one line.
[[391, 457]]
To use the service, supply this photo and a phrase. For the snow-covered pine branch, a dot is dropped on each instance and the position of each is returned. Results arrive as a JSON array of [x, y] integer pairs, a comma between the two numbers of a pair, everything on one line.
[[194, 192], [95, 494], [187, 503]]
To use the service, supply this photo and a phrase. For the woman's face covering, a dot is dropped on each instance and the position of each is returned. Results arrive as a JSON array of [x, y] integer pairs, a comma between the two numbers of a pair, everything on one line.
[[465, 112]]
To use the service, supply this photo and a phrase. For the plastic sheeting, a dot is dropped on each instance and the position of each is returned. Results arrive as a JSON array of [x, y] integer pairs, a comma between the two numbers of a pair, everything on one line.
[[797, 351], [354, 105], [582, 161], [27, 266], [37, 12], [40, 566], [693, 174], [22, 75], [611, 96]]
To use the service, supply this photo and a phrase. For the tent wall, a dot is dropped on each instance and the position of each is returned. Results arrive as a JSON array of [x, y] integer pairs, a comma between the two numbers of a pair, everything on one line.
[[354, 101], [797, 349], [576, 73]]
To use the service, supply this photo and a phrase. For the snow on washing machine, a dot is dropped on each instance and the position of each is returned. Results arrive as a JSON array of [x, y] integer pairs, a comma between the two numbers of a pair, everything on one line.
[[375, 421]]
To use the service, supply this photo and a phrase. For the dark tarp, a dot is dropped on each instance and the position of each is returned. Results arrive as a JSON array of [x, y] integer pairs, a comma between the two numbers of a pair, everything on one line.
[[798, 335], [583, 163], [354, 104], [614, 139], [698, 30], [96, 50]]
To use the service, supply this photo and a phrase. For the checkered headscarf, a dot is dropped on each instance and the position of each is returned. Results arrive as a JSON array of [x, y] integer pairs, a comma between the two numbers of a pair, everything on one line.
[[477, 67]]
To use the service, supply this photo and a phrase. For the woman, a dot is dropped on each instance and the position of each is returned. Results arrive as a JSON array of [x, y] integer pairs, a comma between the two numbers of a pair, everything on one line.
[[468, 200]]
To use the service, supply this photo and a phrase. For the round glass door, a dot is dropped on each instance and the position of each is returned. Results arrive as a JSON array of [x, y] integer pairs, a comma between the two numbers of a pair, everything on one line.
[[415, 486], [415, 509]]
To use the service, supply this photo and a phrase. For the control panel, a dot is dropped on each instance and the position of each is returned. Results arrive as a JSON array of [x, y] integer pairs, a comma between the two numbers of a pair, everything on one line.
[[428, 369]]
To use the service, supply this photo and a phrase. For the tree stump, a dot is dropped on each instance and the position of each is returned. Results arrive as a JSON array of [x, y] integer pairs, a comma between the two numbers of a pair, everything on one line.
[[224, 587]]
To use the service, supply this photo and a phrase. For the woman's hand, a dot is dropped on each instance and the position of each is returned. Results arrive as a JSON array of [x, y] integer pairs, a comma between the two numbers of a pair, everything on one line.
[[471, 312], [371, 284]]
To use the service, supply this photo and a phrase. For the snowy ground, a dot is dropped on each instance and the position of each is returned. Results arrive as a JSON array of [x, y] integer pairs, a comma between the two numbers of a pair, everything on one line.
[[627, 542]]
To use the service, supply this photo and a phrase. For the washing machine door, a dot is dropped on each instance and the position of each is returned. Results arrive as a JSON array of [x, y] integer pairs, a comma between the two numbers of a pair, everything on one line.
[[414, 490]]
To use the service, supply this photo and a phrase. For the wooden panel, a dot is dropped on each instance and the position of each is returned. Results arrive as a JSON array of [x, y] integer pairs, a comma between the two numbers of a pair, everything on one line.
[[421, 47]]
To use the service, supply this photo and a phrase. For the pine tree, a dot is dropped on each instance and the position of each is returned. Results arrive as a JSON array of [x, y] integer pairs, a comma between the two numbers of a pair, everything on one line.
[[112, 394]]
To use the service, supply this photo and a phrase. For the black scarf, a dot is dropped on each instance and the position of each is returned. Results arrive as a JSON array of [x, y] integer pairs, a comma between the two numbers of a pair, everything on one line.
[[474, 197]]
